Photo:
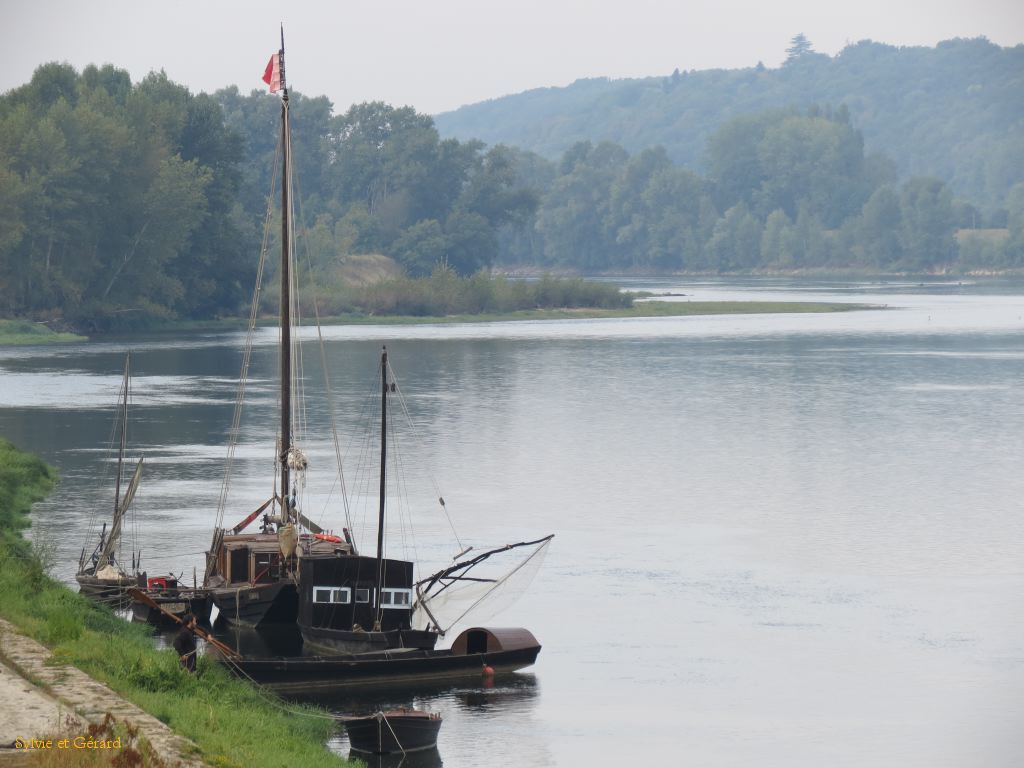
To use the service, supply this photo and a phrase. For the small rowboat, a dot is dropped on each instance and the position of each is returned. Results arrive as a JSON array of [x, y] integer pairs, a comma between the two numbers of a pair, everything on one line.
[[396, 730]]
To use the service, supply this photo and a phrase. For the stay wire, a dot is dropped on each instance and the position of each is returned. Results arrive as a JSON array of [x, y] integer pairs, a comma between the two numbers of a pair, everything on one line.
[[233, 431], [340, 478], [433, 480], [236, 421]]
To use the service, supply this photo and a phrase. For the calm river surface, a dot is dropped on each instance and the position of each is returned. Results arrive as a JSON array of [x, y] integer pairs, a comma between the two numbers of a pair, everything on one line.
[[792, 540]]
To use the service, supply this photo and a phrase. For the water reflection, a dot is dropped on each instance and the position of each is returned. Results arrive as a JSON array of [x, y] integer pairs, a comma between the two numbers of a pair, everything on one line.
[[427, 758], [266, 642], [508, 692], [470, 713]]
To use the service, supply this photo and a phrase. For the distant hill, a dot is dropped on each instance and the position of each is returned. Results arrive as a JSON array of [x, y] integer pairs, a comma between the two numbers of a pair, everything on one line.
[[955, 111]]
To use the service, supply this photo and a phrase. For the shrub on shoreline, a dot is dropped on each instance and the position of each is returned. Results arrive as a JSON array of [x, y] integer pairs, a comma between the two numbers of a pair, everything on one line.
[[445, 293]]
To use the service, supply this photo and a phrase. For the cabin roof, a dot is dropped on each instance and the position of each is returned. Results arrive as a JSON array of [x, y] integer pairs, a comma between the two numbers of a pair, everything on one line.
[[268, 542], [496, 638]]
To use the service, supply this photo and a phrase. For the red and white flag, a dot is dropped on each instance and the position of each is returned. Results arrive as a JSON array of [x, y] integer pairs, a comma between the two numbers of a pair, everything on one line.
[[272, 75]]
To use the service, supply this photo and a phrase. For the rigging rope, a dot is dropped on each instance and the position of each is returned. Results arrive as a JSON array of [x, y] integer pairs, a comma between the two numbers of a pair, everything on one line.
[[340, 478], [236, 421], [433, 479]]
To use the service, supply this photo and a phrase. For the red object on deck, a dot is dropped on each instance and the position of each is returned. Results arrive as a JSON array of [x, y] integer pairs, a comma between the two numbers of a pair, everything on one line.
[[157, 583], [327, 537]]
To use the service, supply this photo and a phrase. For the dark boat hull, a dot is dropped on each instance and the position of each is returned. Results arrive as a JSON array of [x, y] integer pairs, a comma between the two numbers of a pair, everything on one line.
[[103, 589], [387, 733], [303, 674], [334, 641], [257, 604], [198, 604]]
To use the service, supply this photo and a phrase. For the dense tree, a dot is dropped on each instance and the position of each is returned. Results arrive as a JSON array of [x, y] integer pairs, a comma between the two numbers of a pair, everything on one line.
[[736, 240], [785, 160], [421, 247], [927, 231], [111, 190], [798, 46], [880, 226], [576, 208]]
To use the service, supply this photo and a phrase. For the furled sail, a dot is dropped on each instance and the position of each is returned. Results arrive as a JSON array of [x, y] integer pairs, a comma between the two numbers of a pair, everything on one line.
[[115, 528]]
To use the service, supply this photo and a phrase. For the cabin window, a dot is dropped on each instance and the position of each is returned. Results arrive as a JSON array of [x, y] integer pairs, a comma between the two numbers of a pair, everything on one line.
[[266, 567], [336, 595], [362, 595], [239, 565], [395, 598]]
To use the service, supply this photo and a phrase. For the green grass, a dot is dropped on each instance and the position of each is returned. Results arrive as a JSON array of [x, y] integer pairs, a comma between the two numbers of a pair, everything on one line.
[[639, 309], [684, 308], [232, 723], [24, 332]]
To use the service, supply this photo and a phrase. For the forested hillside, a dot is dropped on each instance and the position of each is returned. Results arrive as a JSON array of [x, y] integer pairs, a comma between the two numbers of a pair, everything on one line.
[[955, 111]]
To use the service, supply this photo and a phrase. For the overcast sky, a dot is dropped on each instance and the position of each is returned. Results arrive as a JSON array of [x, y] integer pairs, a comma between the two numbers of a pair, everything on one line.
[[436, 55]]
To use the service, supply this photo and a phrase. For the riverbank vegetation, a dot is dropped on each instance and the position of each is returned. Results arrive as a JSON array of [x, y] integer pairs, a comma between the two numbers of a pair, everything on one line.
[[24, 332], [639, 309], [444, 293], [122, 203], [233, 724]]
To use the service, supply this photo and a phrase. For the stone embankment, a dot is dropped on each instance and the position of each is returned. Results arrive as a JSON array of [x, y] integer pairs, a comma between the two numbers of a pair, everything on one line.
[[41, 699]]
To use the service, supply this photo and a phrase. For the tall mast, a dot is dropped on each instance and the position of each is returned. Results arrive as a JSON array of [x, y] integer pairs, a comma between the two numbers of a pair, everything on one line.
[[383, 469], [286, 338]]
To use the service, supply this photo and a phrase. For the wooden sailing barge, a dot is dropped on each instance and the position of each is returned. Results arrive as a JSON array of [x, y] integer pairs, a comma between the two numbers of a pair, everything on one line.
[[365, 614], [251, 577], [101, 575]]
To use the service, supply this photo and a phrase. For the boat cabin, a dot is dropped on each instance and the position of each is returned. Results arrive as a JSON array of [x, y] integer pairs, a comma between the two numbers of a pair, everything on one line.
[[339, 592], [256, 558]]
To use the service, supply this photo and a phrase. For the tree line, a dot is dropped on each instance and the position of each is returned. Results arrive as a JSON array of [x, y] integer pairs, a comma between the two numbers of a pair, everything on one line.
[[117, 199], [121, 202], [785, 189]]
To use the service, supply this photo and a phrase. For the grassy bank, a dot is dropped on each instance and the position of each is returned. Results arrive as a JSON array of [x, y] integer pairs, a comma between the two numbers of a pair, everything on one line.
[[638, 309], [444, 297], [24, 332], [231, 722]]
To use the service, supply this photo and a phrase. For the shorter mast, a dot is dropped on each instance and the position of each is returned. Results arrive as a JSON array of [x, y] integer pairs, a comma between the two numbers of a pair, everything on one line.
[[383, 476], [115, 527]]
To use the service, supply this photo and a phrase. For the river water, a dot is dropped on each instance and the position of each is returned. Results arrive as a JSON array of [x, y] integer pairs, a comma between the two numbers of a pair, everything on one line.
[[780, 540]]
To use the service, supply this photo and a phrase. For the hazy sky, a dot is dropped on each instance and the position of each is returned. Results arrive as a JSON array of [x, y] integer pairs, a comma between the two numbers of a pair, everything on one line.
[[439, 54]]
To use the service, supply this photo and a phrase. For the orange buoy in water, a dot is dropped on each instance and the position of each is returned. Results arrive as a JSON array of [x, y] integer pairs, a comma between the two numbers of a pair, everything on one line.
[[488, 671]]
